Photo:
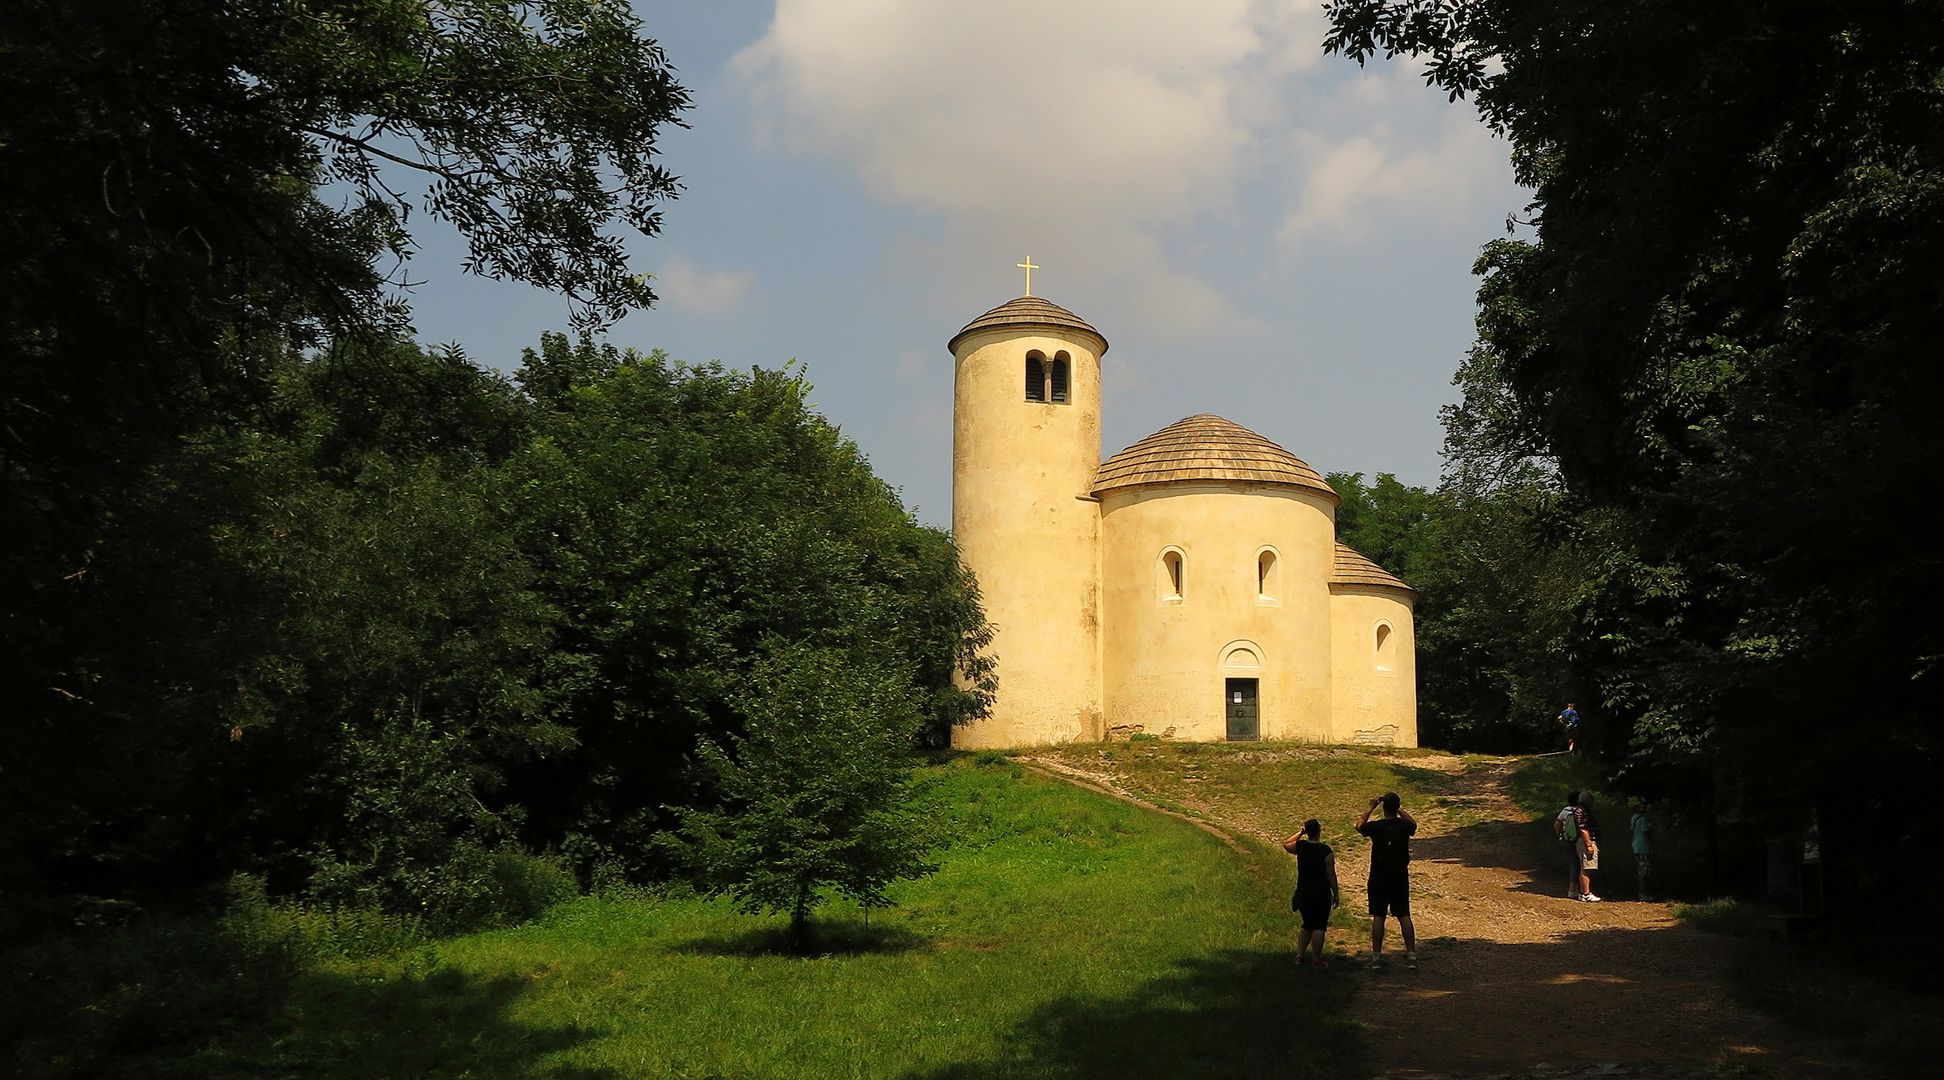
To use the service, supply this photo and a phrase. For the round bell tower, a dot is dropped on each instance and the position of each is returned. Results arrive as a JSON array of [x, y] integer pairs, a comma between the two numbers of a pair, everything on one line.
[[1025, 447]]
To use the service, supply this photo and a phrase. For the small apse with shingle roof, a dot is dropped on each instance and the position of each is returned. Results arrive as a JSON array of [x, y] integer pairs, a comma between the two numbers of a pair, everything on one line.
[[1189, 587]]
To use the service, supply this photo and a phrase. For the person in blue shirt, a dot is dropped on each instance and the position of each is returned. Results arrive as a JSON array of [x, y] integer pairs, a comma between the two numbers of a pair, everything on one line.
[[1569, 716]]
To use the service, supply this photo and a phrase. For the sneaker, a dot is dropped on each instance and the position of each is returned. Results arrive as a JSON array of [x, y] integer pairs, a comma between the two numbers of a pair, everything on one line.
[[1410, 961], [1589, 898], [1376, 963], [1573, 896]]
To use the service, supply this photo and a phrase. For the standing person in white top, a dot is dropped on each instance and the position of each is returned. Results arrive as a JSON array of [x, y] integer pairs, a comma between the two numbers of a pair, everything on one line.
[[1588, 847]]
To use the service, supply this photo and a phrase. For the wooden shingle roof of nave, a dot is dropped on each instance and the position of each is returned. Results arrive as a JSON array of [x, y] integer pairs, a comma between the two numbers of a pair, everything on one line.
[[1206, 447], [1353, 568]]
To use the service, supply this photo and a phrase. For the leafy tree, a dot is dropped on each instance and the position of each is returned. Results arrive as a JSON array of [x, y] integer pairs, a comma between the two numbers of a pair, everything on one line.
[[1721, 344], [421, 621], [395, 680], [1493, 613], [682, 517], [341, 583], [1385, 521], [1500, 588], [191, 193], [160, 163], [818, 791]]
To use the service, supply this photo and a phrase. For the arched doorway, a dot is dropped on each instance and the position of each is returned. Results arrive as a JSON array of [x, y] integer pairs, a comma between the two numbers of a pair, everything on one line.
[[1241, 667]]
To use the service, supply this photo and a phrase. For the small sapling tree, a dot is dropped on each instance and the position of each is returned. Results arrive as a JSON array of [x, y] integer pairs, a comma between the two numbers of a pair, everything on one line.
[[818, 791]]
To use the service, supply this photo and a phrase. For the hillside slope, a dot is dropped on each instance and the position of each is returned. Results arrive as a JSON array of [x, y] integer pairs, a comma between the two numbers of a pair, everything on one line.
[[1064, 935], [1501, 947]]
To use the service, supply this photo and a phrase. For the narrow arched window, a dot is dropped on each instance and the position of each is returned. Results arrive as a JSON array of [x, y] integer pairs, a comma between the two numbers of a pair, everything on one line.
[[1035, 378], [1060, 374], [1170, 578], [1386, 647], [1266, 587]]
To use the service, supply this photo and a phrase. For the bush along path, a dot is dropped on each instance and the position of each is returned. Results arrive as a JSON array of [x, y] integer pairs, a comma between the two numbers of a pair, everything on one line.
[[1515, 980]]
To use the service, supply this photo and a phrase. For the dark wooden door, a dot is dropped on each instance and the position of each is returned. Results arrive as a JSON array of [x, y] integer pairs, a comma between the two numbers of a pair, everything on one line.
[[1239, 701]]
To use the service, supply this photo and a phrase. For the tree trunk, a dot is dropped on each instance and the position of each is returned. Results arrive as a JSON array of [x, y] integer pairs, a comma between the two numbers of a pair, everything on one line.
[[800, 922]]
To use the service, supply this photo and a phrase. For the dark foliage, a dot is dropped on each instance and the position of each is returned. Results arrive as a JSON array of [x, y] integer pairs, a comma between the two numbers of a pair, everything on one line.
[[426, 622], [167, 255], [1720, 351], [405, 645], [682, 518]]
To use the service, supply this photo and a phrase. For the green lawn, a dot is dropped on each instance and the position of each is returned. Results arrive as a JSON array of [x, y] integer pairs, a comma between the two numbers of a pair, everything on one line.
[[1065, 934]]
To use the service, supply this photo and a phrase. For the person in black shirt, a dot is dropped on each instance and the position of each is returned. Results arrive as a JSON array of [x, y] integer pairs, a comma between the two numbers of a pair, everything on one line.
[[1316, 889], [1390, 883]]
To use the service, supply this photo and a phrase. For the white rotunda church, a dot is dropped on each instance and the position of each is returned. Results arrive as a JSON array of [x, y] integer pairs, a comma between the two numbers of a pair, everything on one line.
[[1190, 586]]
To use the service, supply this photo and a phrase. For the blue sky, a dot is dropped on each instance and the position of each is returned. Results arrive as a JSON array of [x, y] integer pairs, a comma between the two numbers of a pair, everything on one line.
[[1260, 231]]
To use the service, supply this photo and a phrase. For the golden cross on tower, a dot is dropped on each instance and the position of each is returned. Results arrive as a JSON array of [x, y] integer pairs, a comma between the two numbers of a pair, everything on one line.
[[1029, 266]]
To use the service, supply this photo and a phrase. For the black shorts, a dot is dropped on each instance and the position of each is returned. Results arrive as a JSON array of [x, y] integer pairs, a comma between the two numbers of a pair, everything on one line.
[[1390, 893], [1315, 911]]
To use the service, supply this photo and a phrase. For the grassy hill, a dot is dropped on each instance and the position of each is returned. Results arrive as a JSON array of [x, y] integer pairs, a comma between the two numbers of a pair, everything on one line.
[[1266, 790], [1065, 934]]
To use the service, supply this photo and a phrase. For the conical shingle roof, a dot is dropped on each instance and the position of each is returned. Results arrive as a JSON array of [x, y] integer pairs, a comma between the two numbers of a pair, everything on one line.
[[1028, 313], [1352, 568], [1206, 447]]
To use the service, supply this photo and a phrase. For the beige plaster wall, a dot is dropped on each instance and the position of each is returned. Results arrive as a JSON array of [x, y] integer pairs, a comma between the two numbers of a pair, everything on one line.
[[1373, 694], [1021, 472], [1164, 664]]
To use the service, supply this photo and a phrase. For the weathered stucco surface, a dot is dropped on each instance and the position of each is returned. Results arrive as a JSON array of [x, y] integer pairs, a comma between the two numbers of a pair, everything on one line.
[[1375, 689], [1021, 471], [1167, 660]]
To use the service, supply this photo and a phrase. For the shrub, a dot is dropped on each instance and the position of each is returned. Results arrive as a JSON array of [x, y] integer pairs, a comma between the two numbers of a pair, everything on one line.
[[322, 932], [527, 885]]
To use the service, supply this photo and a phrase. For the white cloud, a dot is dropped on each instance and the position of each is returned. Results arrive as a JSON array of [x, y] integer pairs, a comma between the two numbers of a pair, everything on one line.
[[1096, 134], [1349, 186], [703, 292], [1071, 131], [1010, 105]]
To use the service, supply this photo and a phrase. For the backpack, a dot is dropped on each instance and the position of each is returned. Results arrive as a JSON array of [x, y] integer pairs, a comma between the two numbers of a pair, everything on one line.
[[1568, 834]]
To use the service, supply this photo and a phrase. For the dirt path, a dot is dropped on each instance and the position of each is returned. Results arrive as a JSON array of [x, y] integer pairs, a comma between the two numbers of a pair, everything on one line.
[[1500, 949]]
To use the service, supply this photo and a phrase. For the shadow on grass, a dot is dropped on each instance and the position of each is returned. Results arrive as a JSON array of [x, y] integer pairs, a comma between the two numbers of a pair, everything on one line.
[[443, 1023], [1539, 785], [826, 939], [1435, 781], [1527, 847], [1523, 847], [1233, 1013], [1650, 1000], [1838, 982]]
